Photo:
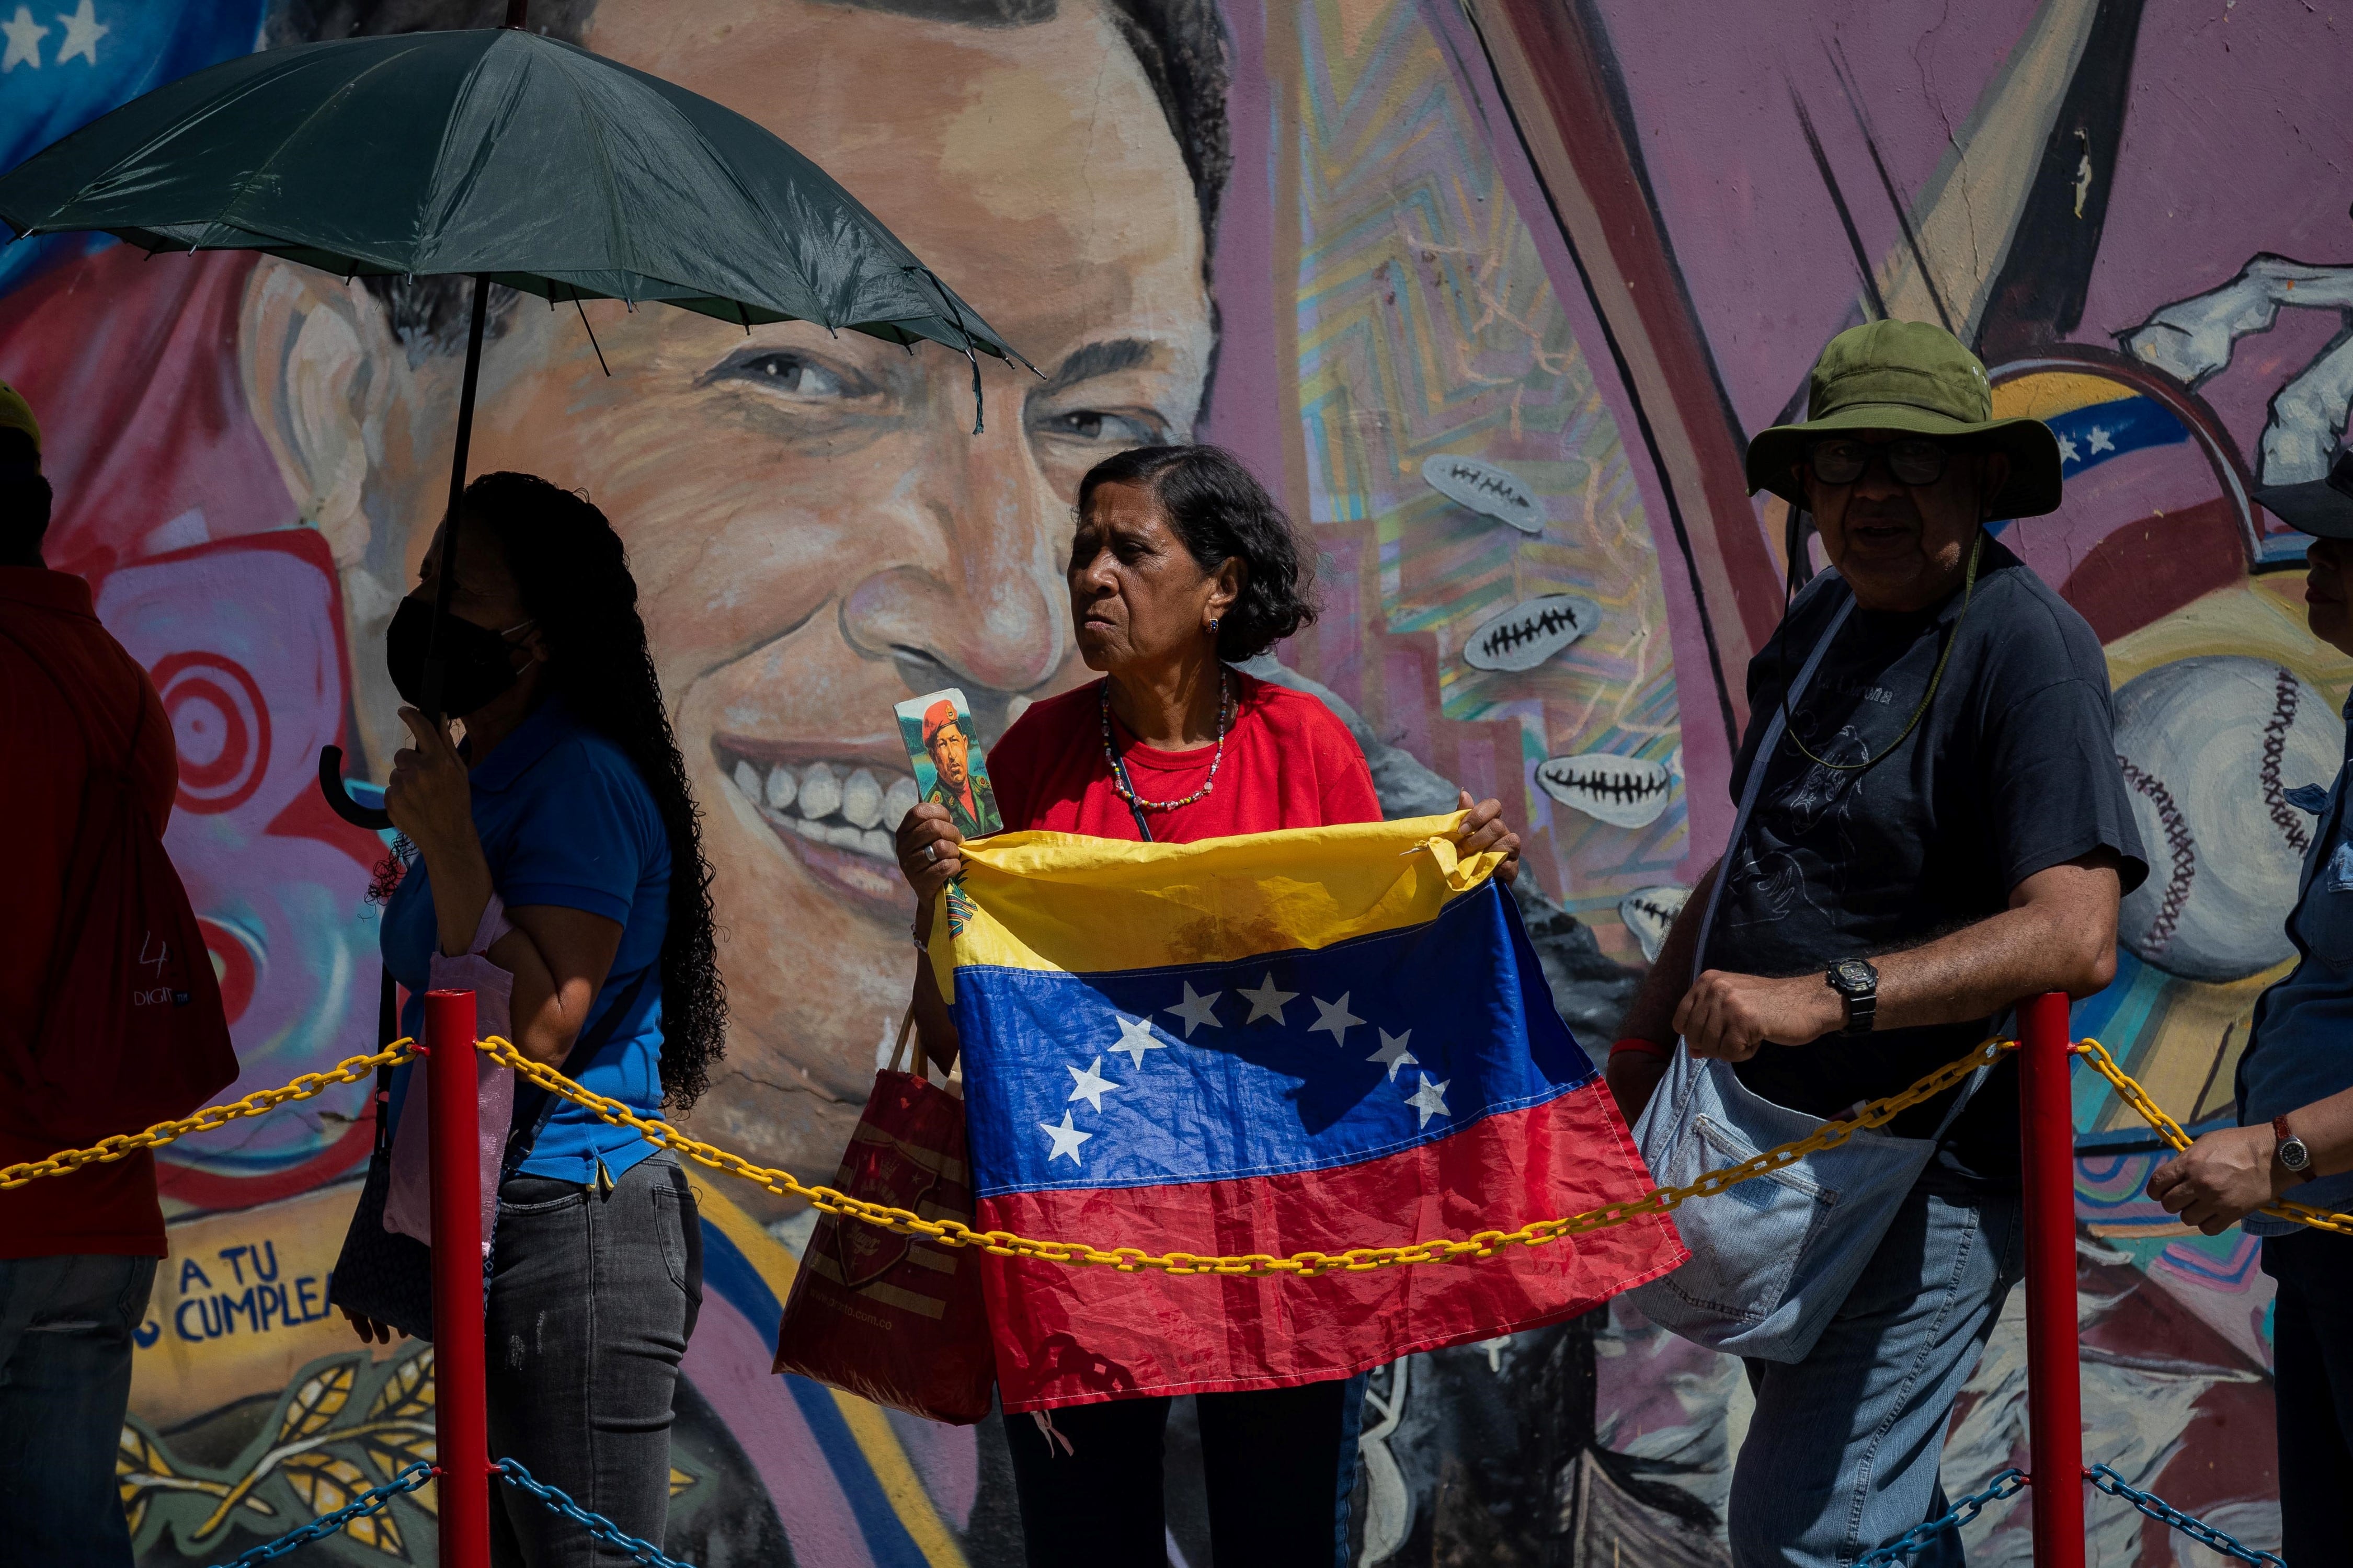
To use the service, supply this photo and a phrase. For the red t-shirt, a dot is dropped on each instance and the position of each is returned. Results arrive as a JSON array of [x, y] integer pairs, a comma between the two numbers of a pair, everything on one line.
[[108, 1208], [1290, 762]]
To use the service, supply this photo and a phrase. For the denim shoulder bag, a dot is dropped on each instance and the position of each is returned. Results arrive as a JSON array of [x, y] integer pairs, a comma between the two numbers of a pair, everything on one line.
[[1773, 1257]]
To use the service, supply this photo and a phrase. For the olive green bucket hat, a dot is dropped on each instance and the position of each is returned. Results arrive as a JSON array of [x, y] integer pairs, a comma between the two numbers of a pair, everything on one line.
[[1918, 378]]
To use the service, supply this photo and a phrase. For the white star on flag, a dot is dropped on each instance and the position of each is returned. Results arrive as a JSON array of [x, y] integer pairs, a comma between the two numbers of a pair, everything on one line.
[[1265, 1002], [1393, 1054], [1136, 1037], [2100, 442], [1068, 1138], [24, 36], [1334, 1018], [82, 32], [1195, 1010], [1430, 1100], [2067, 449], [1091, 1085]]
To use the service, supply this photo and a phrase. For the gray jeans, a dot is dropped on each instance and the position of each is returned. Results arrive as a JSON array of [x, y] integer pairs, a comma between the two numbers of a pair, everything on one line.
[[593, 1295], [66, 1327]]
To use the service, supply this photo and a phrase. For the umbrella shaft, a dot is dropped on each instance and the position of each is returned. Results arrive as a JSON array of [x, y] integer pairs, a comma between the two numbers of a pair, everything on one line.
[[445, 572]]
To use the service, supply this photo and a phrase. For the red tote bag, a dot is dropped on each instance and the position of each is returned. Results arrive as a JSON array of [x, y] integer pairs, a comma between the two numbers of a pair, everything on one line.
[[894, 1318]]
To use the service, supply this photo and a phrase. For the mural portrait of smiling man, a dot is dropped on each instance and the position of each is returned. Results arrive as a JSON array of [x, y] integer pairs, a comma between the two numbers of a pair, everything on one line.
[[818, 531]]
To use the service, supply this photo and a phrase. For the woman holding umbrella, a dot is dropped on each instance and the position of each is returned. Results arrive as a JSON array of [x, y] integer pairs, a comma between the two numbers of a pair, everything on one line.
[[557, 847]]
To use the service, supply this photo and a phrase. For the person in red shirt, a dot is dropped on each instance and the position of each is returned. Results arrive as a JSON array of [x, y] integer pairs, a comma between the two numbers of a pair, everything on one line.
[[1181, 565], [77, 1252]]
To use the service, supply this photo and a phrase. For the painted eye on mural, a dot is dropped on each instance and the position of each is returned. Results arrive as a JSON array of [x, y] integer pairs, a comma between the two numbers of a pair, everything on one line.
[[791, 374], [1133, 428]]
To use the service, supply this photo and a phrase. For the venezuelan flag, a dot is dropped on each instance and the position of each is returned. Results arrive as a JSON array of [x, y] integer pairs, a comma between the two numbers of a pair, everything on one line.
[[1309, 1040]]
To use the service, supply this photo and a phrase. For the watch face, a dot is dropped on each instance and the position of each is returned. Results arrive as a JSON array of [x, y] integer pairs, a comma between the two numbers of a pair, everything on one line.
[[2294, 1155], [1853, 975]]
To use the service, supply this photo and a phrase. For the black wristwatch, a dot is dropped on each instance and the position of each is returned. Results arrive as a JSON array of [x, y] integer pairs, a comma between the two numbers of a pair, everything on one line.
[[1857, 983], [2293, 1153]]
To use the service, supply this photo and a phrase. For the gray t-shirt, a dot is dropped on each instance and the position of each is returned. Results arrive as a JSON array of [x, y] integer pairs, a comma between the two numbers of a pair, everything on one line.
[[2012, 770]]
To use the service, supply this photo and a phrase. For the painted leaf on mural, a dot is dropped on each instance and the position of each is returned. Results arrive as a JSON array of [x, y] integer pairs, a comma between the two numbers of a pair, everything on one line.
[[317, 1402], [325, 1482]]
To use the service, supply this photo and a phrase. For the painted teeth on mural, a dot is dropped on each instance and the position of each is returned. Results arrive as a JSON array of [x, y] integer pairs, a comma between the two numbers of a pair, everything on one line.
[[1625, 792], [1530, 631], [1648, 912], [848, 806]]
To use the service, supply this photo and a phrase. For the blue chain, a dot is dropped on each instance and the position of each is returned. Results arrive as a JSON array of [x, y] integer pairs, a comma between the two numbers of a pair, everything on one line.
[[2008, 1484], [511, 1472], [2164, 1512], [373, 1500]]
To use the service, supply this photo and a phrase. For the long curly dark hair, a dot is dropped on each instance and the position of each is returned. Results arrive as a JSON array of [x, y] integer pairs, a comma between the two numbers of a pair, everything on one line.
[[573, 577]]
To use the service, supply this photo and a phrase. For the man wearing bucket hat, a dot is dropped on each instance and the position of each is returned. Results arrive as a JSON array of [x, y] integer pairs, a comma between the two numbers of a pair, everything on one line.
[[1932, 825], [2294, 1139]]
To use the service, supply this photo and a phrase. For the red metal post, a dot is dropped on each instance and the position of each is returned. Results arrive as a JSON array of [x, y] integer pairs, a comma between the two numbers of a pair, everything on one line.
[[461, 1423], [2055, 1394]]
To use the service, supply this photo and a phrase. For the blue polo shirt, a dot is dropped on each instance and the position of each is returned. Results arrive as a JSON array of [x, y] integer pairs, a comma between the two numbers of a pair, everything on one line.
[[564, 819], [2301, 1048]]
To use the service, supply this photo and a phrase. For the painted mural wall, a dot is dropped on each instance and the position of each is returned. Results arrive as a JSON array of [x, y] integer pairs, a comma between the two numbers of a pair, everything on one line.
[[1489, 291]]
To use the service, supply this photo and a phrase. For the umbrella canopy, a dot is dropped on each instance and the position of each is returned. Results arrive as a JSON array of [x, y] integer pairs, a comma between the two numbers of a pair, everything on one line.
[[497, 153]]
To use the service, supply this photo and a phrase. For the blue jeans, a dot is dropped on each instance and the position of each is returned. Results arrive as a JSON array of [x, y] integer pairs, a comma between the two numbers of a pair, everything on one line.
[[65, 1324], [1843, 1449], [594, 1293]]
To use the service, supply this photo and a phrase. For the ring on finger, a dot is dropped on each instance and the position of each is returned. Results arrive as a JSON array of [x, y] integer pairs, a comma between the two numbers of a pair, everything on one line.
[[931, 853]]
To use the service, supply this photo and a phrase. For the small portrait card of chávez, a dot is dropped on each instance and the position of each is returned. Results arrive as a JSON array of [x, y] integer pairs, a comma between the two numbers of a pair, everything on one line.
[[949, 768]]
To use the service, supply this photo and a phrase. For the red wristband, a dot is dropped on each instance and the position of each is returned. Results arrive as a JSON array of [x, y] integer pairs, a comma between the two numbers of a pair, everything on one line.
[[1643, 1048]]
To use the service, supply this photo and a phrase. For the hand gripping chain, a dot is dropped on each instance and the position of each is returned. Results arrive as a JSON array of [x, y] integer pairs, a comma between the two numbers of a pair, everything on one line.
[[407, 1480]]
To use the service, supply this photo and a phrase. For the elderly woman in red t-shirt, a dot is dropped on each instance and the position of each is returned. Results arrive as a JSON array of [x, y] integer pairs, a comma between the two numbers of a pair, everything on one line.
[[1181, 564]]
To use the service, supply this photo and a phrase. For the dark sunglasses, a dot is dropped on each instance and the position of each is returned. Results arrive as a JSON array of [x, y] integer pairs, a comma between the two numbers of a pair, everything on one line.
[[1911, 461]]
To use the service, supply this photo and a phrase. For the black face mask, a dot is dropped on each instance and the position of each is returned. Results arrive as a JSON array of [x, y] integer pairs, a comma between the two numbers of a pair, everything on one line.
[[476, 663]]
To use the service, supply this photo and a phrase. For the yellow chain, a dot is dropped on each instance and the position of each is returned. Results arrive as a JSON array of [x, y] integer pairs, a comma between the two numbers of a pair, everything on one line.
[[349, 1070], [2132, 1094], [1132, 1261]]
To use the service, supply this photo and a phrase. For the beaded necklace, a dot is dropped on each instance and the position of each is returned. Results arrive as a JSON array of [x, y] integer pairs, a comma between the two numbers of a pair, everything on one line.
[[1119, 779]]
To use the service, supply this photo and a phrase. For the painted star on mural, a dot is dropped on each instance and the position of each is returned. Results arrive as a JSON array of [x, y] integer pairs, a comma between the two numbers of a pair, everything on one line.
[[24, 36], [83, 29]]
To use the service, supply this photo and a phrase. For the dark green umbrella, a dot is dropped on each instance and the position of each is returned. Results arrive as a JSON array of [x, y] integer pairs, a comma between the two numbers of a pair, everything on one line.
[[501, 155]]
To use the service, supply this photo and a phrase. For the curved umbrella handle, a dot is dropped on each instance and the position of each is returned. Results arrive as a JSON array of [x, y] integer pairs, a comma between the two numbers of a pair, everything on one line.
[[339, 799]]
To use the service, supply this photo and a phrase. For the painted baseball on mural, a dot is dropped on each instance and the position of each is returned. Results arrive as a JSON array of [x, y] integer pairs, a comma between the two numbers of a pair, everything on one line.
[[2209, 748], [1486, 489], [1530, 631], [1624, 792], [1650, 913]]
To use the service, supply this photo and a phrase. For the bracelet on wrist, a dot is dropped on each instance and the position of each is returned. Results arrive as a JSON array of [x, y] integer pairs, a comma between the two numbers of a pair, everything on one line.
[[1633, 1045]]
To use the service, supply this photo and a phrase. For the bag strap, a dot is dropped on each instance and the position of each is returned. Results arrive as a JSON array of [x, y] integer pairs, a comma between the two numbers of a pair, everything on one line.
[[1762, 760], [1748, 794]]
